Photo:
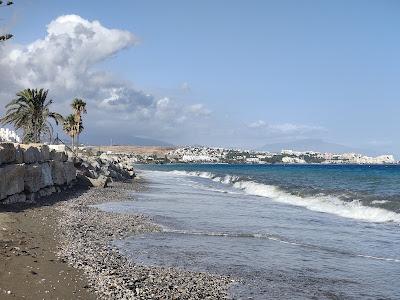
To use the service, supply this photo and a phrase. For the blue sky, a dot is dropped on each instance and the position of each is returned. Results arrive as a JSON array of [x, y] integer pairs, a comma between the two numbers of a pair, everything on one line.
[[262, 71]]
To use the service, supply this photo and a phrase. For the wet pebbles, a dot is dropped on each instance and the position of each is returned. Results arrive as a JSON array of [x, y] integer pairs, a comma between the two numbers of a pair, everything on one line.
[[86, 234]]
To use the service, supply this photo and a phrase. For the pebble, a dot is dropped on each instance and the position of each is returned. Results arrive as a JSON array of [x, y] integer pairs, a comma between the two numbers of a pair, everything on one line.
[[85, 236]]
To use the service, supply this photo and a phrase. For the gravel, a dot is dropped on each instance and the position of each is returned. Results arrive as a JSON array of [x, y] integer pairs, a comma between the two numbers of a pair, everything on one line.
[[86, 235]]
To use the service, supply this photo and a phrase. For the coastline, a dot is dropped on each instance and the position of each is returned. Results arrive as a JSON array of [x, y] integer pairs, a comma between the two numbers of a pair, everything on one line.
[[79, 244]]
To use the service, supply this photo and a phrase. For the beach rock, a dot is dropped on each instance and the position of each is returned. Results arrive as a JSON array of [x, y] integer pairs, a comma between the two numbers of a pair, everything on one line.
[[19, 154], [117, 168], [62, 172], [33, 178], [11, 180], [95, 164], [70, 171], [101, 182], [47, 191], [31, 153], [58, 173], [89, 173], [7, 153], [31, 198], [16, 198], [58, 156], [45, 152], [47, 179]]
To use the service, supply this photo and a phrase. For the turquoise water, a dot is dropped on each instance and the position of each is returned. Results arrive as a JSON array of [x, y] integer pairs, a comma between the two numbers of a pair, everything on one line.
[[284, 232]]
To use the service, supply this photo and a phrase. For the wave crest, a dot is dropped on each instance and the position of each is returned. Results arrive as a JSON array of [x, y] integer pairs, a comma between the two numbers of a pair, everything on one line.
[[325, 203]]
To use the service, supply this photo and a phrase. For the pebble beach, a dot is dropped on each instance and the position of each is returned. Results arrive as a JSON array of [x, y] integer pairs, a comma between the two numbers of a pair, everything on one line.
[[82, 237]]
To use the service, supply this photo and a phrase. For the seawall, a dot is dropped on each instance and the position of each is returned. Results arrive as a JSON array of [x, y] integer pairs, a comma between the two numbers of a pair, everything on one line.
[[28, 172]]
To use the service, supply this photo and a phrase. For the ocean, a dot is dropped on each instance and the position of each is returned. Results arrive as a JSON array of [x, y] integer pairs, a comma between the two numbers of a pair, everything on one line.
[[281, 231]]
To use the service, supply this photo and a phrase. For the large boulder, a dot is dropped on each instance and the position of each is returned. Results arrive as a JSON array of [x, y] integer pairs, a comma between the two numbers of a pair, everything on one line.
[[45, 152], [58, 172], [70, 171], [100, 182], [58, 155], [19, 154], [32, 153], [11, 180], [7, 153], [33, 179], [47, 179], [62, 172]]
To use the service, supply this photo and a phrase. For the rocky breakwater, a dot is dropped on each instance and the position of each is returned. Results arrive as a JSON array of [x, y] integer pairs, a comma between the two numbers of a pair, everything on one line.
[[99, 170], [31, 171]]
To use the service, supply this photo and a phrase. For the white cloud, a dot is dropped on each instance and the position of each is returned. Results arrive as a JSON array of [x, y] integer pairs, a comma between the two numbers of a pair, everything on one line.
[[290, 128], [65, 62], [70, 49], [198, 110], [284, 128], [257, 124]]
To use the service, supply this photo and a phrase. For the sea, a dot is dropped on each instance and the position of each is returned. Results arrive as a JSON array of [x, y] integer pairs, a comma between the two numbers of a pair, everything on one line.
[[279, 231]]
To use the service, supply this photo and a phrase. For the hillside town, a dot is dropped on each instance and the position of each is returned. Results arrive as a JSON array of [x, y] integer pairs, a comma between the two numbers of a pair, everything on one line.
[[232, 156], [202, 154]]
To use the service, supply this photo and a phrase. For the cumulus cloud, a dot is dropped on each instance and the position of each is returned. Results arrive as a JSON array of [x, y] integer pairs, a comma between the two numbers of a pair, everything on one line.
[[65, 61], [66, 55]]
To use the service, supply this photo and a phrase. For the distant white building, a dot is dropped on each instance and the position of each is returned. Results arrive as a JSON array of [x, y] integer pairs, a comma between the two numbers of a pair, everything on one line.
[[10, 136], [253, 160], [198, 158], [209, 154], [293, 160]]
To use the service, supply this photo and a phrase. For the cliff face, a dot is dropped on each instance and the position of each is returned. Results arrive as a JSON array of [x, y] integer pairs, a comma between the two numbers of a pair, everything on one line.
[[28, 172]]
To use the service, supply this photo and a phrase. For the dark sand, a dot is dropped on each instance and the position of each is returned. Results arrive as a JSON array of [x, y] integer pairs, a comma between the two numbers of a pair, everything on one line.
[[29, 267]]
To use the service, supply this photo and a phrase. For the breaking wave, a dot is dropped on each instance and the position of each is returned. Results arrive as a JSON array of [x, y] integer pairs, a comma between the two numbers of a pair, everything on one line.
[[320, 203]]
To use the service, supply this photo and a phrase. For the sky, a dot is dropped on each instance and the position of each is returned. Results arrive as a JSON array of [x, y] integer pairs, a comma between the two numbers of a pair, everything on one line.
[[218, 73]]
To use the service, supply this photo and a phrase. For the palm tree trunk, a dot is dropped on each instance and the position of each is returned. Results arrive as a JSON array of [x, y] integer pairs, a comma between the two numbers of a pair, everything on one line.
[[78, 131], [77, 141]]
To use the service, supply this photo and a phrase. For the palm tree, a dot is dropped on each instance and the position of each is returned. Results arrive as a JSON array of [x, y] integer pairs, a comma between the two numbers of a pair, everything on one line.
[[7, 36], [70, 128], [79, 107], [30, 113]]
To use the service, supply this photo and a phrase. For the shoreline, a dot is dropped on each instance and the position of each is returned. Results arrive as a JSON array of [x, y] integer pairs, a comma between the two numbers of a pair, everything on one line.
[[82, 238]]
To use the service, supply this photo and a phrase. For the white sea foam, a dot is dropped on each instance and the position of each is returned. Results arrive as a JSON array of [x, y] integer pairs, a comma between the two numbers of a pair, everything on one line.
[[379, 201], [380, 258], [325, 204], [226, 179], [234, 235], [198, 174]]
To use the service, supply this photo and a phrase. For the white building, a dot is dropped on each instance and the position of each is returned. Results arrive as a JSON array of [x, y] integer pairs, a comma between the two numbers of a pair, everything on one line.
[[10, 136]]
